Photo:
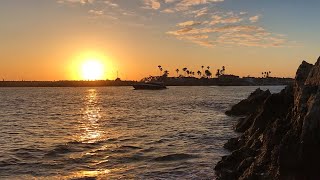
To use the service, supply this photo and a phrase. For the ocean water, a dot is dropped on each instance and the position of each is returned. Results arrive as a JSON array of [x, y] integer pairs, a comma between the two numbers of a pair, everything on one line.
[[115, 132]]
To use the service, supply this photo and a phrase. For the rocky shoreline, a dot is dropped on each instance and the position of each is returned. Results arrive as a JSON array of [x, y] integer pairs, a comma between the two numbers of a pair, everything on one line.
[[280, 132]]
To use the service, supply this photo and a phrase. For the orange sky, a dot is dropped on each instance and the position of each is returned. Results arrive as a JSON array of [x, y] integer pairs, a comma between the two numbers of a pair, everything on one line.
[[49, 40]]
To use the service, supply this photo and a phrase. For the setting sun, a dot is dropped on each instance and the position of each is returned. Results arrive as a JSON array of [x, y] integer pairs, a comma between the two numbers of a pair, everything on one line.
[[91, 65], [92, 70]]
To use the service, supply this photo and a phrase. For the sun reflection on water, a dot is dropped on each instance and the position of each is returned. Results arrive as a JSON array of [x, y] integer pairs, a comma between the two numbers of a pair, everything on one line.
[[90, 127], [94, 173]]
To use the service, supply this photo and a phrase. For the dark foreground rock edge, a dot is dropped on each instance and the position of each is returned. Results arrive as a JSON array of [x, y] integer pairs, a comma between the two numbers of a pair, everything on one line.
[[281, 132]]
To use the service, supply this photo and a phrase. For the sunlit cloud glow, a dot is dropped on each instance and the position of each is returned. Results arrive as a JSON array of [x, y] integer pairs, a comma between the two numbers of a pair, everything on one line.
[[208, 25]]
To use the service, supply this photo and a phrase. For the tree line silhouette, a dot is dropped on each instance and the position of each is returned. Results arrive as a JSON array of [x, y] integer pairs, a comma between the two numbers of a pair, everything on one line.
[[266, 74], [204, 73]]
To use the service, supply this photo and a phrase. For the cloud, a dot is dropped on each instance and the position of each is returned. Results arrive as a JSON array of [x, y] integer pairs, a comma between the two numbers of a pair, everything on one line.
[[225, 28], [201, 22], [201, 40], [179, 5], [222, 29], [205, 43], [184, 5], [169, 11], [96, 13], [254, 19], [252, 39], [231, 35], [221, 20], [76, 1], [180, 32], [111, 4], [188, 24], [152, 4], [200, 12]]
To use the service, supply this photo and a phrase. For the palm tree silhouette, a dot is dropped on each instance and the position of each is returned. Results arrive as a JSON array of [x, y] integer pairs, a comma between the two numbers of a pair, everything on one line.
[[202, 69], [223, 70], [208, 73], [208, 67], [199, 74], [160, 69], [268, 73], [184, 69], [188, 72], [218, 73], [166, 73], [177, 70]]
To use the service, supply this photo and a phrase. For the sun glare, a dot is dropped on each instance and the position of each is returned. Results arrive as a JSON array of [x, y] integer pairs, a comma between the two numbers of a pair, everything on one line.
[[90, 65], [92, 70]]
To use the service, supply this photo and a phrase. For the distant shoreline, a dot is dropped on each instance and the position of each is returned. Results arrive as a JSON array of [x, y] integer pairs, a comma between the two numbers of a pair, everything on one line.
[[98, 83], [170, 81]]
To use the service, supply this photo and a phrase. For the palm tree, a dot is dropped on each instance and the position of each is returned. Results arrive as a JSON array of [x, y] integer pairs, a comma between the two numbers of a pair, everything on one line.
[[160, 69], [188, 72], [262, 74], [177, 70], [192, 74], [208, 67], [218, 73], [208, 73], [223, 70], [166, 73], [202, 69], [199, 74], [184, 69]]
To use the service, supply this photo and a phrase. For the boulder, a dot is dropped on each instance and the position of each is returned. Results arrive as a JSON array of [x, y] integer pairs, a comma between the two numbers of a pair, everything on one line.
[[250, 104], [281, 132]]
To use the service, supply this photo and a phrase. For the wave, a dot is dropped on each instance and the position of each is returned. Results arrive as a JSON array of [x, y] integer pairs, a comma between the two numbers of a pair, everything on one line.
[[63, 149], [125, 149], [150, 149], [76, 146], [130, 147], [9, 161], [175, 157]]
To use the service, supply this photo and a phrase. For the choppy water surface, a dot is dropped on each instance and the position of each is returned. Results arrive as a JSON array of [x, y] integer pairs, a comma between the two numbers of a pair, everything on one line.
[[115, 132]]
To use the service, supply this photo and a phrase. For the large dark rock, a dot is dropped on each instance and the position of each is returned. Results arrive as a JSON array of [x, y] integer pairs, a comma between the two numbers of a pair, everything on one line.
[[249, 105], [281, 137]]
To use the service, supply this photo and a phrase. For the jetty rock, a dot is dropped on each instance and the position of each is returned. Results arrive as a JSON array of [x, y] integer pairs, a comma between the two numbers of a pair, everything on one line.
[[281, 137], [249, 105]]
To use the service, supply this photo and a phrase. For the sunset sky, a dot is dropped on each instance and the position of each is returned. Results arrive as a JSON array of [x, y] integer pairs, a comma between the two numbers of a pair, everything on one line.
[[51, 39]]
